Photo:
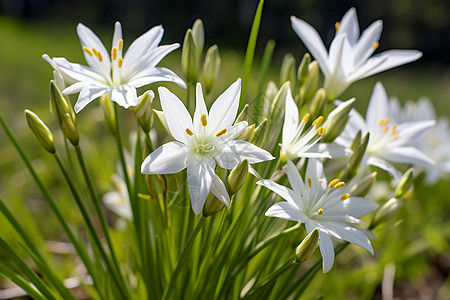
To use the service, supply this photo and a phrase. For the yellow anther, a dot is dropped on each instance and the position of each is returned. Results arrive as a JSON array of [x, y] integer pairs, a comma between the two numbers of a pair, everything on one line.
[[188, 131], [99, 55], [118, 202], [387, 120], [394, 128], [120, 46], [339, 185], [221, 132], [375, 45], [336, 25], [333, 182], [385, 129], [306, 118], [95, 51], [345, 196], [120, 62], [320, 212], [309, 181], [203, 120], [88, 51], [321, 130], [317, 121], [384, 121], [395, 137], [114, 53]]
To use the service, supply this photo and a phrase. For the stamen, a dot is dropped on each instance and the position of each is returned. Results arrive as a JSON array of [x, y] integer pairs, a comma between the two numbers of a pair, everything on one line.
[[394, 127], [384, 121], [309, 181], [336, 25], [221, 132], [345, 196], [395, 137], [120, 44], [321, 130], [339, 185], [333, 182], [120, 62], [114, 53], [99, 55], [88, 51], [203, 120], [95, 51], [385, 129], [188, 131], [320, 212], [306, 118], [317, 121], [375, 45]]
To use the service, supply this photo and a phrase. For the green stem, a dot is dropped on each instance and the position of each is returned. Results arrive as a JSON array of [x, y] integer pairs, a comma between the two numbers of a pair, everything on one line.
[[183, 258], [21, 282]]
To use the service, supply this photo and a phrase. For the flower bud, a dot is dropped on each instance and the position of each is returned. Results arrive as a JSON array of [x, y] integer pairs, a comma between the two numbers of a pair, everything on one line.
[[41, 131], [108, 113], [212, 205], [247, 135], [243, 115], [355, 159], [189, 57], [162, 119], [143, 110], [279, 101], [309, 87], [58, 104], [405, 184], [386, 212], [237, 176], [318, 103], [259, 133], [307, 246], [337, 120], [302, 72], [211, 67], [69, 130], [287, 72], [198, 33], [363, 186]]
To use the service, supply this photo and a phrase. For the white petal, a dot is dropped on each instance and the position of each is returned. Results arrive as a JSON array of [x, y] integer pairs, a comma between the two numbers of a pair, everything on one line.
[[158, 74], [79, 72], [349, 25], [330, 150], [395, 58], [291, 118], [336, 56], [220, 191], [326, 250], [364, 47], [90, 40], [383, 164], [295, 179], [355, 123], [124, 95], [156, 55], [200, 108], [236, 130], [169, 158], [223, 112], [378, 106], [88, 94], [315, 171], [53, 64], [287, 211], [115, 202], [350, 234], [117, 36], [358, 206], [200, 174], [74, 88], [233, 152], [313, 42], [409, 132], [408, 155], [284, 192], [177, 116]]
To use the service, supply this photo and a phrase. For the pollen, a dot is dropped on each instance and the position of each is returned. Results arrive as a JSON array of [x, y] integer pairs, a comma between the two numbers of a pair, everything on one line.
[[99, 55], [333, 182], [339, 185], [385, 129], [317, 121], [320, 212], [306, 118], [120, 62], [221, 132], [95, 51], [309, 181], [336, 25], [114, 53], [345, 196], [120, 46], [394, 128], [384, 121], [88, 51], [395, 137], [189, 132], [321, 130], [375, 45], [203, 120]]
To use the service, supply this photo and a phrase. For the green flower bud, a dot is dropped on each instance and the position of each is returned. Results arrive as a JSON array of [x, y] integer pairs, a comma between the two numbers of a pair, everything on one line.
[[237, 176], [243, 115], [278, 101], [287, 72], [143, 110], [58, 104], [302, 72], [40, 130], [211, 67], [198, 32], [318, 103], [405, 184], [247, 135], [309, 87], [108, 113], [69, 130], [307, 246], [364, 185], [162, 119], [212, 206], [258, 135], [189, 57], [355, 159], [337, 120], [386, 212]]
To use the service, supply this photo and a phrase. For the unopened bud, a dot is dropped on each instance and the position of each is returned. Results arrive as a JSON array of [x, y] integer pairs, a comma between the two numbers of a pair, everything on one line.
[[386, 212], [355, 159], [278, 102], [58, 103], [143, 110], [259, 133], [162, 119], [69, 130], [108, 113], [189, 57], [212, 205], [337, 120], [405, 184], [307, 246], [318, 103], [198, 32], [243, 115], [309, 87], [302, 72], [287, 72], [364, 185], [41, 131], [247, 135], [211, 67], [237, 176]]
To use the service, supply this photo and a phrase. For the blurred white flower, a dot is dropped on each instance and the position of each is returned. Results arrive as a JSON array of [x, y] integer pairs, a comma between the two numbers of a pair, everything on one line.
[[322, 205], [203, 141], [118, 201], [349, 58], [119, 75], [389, 142]]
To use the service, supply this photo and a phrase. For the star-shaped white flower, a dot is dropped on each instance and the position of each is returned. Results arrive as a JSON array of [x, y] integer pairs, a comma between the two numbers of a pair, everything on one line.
[[349, 58], [298, 142], [203, 141], [389, 142], [119, 75], [325, 206]]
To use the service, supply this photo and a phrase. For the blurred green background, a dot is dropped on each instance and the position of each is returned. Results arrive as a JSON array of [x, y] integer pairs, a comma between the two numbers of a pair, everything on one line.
[[416, 242]]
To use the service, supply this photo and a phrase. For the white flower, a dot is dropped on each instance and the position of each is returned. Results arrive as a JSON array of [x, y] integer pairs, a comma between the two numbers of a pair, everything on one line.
[[388, 141], [325, 206], [118, 75], [298, 142], [118, 201], [203, 141], [349, 58]]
